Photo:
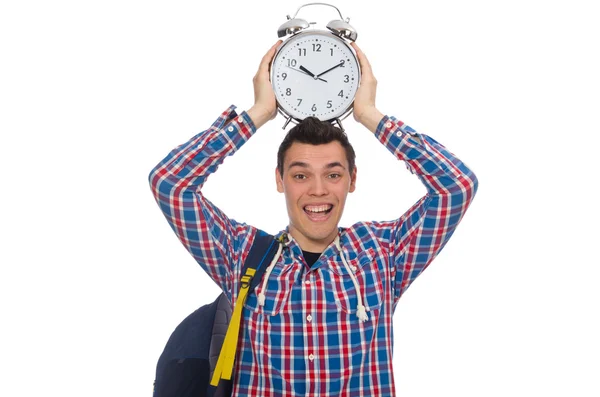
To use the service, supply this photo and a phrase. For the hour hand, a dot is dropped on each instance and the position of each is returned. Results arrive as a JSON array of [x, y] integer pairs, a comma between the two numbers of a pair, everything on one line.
[[308, 72]]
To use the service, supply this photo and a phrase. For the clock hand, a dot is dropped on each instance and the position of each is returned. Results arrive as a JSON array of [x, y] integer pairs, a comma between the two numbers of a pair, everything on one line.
[[330, 69], [303, 72], [308, 72]]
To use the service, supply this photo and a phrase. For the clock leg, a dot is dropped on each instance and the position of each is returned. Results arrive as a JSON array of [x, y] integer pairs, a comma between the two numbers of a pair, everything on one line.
[[287, 122]]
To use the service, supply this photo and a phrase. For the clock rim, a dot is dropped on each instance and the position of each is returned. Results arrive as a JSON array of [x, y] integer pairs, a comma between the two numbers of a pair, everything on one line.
[[348, 111]]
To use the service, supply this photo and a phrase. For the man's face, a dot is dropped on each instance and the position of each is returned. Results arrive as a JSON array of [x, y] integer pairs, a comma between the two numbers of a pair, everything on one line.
[[316, 181]]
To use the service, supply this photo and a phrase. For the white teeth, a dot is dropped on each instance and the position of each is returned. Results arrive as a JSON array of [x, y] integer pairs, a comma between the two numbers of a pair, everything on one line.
[[320, 208]]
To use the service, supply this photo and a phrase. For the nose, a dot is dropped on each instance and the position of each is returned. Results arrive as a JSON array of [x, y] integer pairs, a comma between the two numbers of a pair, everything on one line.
[[318, 187]]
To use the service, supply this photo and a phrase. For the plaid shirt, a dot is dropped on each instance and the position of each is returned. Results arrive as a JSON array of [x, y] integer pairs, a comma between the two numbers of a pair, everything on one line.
[[306, 339]]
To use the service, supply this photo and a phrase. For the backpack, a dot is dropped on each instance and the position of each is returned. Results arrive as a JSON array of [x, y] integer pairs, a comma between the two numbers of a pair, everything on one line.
[[188, 361]]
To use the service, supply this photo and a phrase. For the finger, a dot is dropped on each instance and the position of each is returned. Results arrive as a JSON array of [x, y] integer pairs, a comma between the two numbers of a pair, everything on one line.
[[362, 59], [266, 60]]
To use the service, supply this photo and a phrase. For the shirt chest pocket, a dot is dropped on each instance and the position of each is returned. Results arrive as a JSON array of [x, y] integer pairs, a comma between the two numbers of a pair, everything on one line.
[[343, 290], [277, 291]]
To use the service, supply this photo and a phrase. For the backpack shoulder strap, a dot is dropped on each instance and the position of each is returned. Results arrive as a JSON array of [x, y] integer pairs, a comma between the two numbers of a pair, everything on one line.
[[261, 254]]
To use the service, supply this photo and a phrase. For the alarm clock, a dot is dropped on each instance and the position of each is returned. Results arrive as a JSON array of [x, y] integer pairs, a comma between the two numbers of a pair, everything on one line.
[[315, 72]]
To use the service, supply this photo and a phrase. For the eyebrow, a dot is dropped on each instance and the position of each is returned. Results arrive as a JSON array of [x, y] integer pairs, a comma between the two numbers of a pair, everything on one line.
[[305, 165]]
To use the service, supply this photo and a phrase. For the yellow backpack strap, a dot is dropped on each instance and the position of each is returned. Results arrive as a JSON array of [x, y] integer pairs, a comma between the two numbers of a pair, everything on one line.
[[224, 367], [226, 360]]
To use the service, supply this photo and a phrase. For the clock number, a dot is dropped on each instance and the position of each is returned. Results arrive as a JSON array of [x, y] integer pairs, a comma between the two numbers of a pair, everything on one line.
[[288, 92], [302, 51], [316, 48], [314, 107], [292, 62], [299, 101], [331, 49], [341, 94], [284, 75], [329, 104], [346, 78], [342, 64]]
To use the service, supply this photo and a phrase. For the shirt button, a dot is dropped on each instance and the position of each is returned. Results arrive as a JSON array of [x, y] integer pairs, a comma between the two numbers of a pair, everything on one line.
[[307, 282], [240, 119], [388, 125], [309, 318], [353, 268], [311, 357], [230, 129], [399, 133]]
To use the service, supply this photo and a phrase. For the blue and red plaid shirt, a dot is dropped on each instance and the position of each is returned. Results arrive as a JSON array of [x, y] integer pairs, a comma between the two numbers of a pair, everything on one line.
[[306, 339]]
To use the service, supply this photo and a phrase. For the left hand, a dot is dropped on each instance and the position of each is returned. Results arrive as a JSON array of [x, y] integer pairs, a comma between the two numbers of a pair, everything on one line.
[[364, 101]]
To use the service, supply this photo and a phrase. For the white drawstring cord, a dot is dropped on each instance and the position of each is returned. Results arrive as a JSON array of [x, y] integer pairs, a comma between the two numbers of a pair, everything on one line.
[[361, 312], [261, 296]]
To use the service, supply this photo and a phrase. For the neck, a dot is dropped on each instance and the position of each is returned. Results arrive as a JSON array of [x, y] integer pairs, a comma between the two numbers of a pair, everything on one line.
[[312, 245]]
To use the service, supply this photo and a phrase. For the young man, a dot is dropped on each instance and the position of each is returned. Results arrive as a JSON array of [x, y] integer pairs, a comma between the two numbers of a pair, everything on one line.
[[320, 321]]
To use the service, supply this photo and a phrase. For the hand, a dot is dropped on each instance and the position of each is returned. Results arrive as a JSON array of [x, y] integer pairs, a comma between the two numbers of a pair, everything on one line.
[[265, 104], [365, 111], [306, 71]]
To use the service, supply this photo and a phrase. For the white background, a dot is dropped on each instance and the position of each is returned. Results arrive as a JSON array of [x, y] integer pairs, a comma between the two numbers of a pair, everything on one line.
[[94, 94]]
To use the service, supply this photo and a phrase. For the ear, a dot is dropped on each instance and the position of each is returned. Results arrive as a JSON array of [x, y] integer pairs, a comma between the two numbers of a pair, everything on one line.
[[278, 181], [352, 181]]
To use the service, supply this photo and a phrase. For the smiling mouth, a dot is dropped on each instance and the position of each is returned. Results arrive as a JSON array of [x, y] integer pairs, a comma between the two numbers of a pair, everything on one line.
[[321, 209], [318, 213]]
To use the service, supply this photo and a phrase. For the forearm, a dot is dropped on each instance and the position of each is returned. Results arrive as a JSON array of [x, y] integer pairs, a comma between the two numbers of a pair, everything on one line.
[[259, 116], [439, 169], [205, 231], [422, 232], [189, 164], [370, 119]]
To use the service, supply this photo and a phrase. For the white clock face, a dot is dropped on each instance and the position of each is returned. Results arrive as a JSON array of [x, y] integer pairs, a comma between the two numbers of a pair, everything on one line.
[[315, 74]]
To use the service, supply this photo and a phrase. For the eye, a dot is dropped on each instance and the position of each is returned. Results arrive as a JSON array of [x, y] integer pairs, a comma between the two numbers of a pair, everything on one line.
[[334, 176], [299, 176]]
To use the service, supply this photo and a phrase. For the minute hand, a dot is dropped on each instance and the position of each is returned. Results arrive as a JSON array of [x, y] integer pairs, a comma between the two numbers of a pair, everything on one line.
[[330, 69]]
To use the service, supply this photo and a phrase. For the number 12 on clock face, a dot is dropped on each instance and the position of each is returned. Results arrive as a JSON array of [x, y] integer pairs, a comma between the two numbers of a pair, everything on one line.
[[315, 74]]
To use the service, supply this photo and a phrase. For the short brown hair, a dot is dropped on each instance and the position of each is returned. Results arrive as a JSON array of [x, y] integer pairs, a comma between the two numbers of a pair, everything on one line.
[[313, 131]]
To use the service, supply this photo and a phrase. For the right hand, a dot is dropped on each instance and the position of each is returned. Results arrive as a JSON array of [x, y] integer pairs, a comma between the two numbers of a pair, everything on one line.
[[265, 104]]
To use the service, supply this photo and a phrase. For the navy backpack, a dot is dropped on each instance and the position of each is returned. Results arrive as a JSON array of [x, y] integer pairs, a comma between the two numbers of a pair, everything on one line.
[[187, 363]]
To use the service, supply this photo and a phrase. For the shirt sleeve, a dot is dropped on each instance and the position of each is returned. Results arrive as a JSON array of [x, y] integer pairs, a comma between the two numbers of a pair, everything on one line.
[[217, 243], [423, 230]]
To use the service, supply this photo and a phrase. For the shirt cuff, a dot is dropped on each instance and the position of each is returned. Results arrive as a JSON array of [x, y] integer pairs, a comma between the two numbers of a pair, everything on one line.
[[237, 128], [393, 132], [248, 121]]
